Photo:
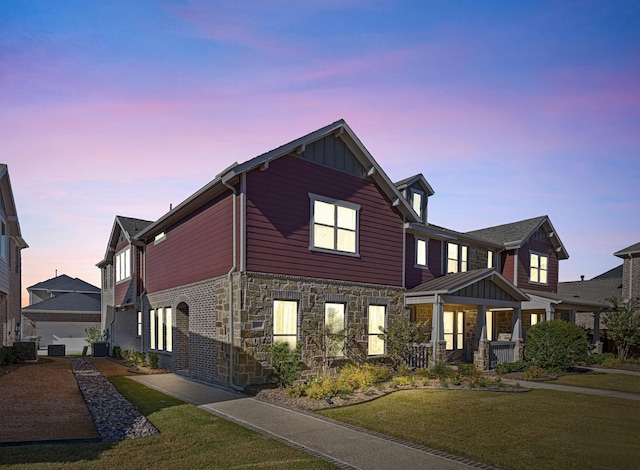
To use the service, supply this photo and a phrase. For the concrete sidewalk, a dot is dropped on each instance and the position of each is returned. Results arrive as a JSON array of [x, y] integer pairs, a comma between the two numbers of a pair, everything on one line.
[[346, 446]]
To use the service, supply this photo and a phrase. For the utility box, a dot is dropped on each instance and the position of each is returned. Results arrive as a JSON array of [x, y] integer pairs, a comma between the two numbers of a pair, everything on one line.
[[57, 350], [100, 349], [28, 349]]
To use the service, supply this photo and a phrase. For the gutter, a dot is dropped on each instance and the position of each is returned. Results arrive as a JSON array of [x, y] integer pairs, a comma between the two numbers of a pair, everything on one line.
[[234, 194]]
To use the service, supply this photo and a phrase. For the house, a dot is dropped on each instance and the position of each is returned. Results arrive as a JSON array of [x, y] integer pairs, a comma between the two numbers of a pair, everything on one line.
[[630, 271], [11, 246], [59, 311], [315, 232]]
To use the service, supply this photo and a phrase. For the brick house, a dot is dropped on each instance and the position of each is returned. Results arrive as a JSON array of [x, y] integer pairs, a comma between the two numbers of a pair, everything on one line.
[[11, 246], [315, 232]]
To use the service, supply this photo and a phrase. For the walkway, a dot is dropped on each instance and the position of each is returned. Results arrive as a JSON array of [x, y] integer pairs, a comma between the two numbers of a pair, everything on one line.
[[346, 446]]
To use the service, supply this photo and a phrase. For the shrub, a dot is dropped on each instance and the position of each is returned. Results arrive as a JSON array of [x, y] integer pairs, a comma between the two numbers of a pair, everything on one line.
[[443, 370], [11, 355], [380, 373], [534, 372], [285, 363], [117, 353], [466, 370], [400, 335], [556, 344], [401, 381], [612, 362], [93, 335], [296, 390], [508, 367], [139, 358], [153, 360], [324, 388]]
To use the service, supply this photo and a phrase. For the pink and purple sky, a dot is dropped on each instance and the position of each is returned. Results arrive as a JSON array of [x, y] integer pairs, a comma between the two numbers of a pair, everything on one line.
[[511, 110]]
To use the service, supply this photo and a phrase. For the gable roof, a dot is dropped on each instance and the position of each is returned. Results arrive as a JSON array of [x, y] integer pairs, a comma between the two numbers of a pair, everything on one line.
[[6, 196], [64, 283], [562, 301], [612, 273], [420, 179], [629, 252], [68, 302], [230, 176], [514, 235], [130, 227], [595, 290]]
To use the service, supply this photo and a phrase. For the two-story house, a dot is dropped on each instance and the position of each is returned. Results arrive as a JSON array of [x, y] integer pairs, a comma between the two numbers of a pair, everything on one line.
[[314, 232], [11, 246]]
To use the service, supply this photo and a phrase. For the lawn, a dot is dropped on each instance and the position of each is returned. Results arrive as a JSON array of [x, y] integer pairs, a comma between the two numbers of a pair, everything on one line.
[[540, 429], [618, 382], [189, 438]]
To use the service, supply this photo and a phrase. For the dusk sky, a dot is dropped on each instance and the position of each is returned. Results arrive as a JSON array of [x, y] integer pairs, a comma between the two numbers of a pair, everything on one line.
[[511, 110]]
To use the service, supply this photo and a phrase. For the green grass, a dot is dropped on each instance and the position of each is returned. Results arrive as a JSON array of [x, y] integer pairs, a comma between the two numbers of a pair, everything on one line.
[[540, 429], [189, 438], [618, 382]]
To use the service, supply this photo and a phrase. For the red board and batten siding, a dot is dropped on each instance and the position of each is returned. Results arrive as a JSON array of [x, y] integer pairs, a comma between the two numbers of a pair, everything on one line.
[[416, 275], [198, 248], [278, 216], [524, 265]]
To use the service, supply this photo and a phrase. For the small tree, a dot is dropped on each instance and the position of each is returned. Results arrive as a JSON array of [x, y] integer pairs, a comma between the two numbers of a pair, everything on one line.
[[623, 325], [400, 336], [556, 344], [93, 335], [285, 363]]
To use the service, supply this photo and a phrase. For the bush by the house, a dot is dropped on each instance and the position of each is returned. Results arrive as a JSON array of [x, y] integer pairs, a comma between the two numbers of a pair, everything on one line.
[[534, 372], [623, 325], [285, 363], [556, 345], [594, 359], [11, 355], [509, 367], [154, 359]]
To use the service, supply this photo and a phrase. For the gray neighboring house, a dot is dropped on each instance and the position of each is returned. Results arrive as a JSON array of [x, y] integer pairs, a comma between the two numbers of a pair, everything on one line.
[[60, 310], [630, 271]]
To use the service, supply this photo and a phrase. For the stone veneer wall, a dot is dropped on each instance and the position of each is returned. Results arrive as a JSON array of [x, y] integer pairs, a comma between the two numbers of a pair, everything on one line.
[[477, 258]]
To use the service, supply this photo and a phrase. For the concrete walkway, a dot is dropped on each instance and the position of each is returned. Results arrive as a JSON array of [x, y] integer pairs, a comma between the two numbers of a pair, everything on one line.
[[344, 445]]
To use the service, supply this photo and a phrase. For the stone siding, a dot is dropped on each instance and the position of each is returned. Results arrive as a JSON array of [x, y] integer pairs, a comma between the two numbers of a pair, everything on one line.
[[477, 258]]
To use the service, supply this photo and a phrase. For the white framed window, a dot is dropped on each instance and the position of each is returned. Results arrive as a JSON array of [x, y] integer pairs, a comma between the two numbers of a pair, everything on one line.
[[538, 268], [334, 324], [454, 330], [285, 322], [139, 330], [161, 329], [152, 329], [421, 252], [416, 202], [375, 327], [457, 256], [4, 241], [489, 323], [490, 256], [536, 318], [123, 265], [334, 225]]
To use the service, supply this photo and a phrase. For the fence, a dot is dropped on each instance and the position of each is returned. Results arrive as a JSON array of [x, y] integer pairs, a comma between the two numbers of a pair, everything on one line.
[[501, 351], [418, 356]]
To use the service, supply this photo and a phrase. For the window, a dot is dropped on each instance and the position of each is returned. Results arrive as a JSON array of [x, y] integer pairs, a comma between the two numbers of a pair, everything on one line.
[[160, 329], [538, 268], [139, 330], [536, 318], [4, 241], [123, 265], [454, 330], [158, 238], [489, 323], [375, 328], [456, 258], [416, 202], [334, 325], [285, 322], [421, 252], [489, 259], [335, 225]]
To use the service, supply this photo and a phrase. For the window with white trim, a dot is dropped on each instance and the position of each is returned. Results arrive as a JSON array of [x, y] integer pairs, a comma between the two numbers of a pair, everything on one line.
[[454, 330], [123, 265], [375, 327], [161, 329], [334, 225], [4, 241], [285, 322], [421, 252], [457, 258], [416, 202], [334, 326], [139, 330], [490, 255], [538, 268]]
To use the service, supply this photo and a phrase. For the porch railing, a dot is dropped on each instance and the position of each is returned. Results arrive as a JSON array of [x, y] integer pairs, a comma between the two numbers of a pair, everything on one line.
[[418, 356], [501, 351]]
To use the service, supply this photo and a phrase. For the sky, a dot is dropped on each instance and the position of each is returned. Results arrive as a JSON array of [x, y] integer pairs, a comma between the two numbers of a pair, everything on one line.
[[510, 110]]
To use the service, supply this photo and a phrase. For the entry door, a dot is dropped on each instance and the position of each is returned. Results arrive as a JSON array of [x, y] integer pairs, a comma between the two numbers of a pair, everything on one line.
[[454, 330]]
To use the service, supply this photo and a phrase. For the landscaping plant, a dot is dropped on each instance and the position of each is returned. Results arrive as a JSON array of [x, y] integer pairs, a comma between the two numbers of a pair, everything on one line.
[[285, 363], [399, 337], [623, 325], [556, 345]]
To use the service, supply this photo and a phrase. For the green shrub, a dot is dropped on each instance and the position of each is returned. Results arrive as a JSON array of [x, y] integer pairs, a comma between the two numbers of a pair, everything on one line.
[[139, 358], [426, 374], [285, 363], [534, 372], [11, 355], [443, 370], [556, 344], [401, 381], [380, 373], [324, 388], [296, 390], [593, 359], [153, 360], [117, 353], [509, 367], [466, 370], [404, 371], [93, 335], [612, 362]]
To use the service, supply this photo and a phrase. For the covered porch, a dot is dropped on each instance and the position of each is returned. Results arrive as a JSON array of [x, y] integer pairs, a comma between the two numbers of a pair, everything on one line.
[[475, 317]]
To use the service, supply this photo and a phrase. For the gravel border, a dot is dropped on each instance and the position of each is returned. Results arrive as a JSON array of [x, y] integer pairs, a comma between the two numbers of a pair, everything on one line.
[[114, 416]]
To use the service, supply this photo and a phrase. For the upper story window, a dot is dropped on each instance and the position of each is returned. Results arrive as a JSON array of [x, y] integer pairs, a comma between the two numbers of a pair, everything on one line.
[[490, 255], [421, 253], [538, 268], [4, 242], [334, 225], [457, 258], [159, 238], [123, 265], [416, 202]]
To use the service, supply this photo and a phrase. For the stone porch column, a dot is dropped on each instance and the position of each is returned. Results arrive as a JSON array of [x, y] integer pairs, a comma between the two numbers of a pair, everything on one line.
[[437, 334]]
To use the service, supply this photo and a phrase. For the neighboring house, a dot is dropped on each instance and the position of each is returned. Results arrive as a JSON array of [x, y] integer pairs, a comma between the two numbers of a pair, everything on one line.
[[315, 232], [631, 271], [11, 246], [60, 310]]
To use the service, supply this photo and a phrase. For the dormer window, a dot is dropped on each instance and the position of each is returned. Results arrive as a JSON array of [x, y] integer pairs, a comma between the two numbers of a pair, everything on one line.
[[538, 268], [417, 198]]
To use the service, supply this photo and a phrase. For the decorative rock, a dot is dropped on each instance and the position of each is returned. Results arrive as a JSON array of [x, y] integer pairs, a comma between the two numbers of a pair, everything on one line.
[[114, 416]]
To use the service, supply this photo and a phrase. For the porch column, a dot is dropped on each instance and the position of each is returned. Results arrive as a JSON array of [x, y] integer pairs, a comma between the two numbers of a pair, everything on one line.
[[437, 333], [516, 334], [481, 353], [550, 313]]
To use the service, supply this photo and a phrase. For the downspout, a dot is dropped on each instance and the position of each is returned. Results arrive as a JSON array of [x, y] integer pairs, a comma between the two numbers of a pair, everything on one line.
[[630, 276], [234, 194]]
